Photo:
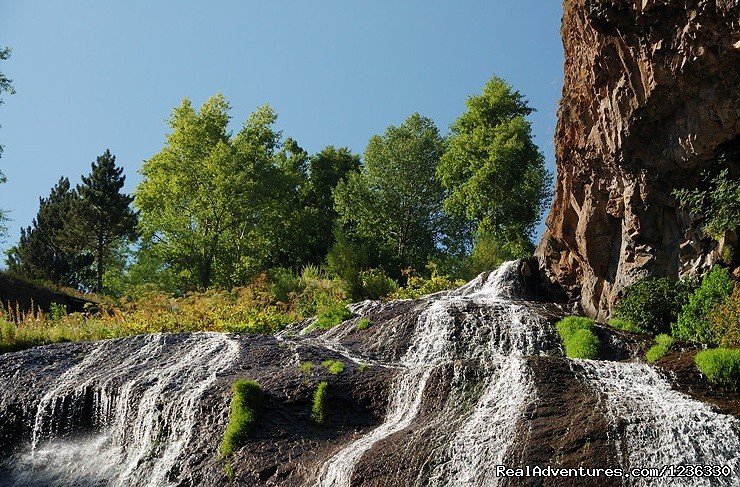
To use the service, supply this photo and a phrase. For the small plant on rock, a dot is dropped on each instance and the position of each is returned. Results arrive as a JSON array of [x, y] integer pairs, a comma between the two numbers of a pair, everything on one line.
[[318, 409], [663, 344], [363, 324], [694, 323], [579, 339], [335, 367], [245, 406], [720, 366]]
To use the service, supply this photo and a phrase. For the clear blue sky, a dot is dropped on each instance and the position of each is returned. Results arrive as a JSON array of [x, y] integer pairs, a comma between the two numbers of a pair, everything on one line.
[[94, 74]]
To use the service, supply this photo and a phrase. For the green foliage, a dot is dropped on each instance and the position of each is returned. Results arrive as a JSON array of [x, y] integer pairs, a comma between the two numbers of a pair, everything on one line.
[[716, 200], [101, 218], [725, 319], [376, 284], [306, 367], [694, 322], [625, 326], [417, 286], [494, 173], [42, 255], [318, 408], [579, 339], [653, 304], [245, 407], [362, 367], [395, 200], [57, 311], [363, 324], [720, 365], [331, 315], [663, 344], [221, 206], [335, 367]]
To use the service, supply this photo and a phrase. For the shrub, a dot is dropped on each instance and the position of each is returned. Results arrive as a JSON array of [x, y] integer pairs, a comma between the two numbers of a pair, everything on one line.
[[363, 324], [652, 304], [720, 366], [625, 326], [318, 409], [245, 407], [716, 201], [334, 367], [284, 284], [421, 286], [579, 339], [376, 284], [57, 311], [331, 315], [694, 321], [725, 320], [306, 367], [663, 344]]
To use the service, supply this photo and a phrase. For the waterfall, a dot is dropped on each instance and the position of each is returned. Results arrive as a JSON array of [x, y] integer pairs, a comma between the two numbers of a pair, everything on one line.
[[660, 426], [143, 413], [492, 329]]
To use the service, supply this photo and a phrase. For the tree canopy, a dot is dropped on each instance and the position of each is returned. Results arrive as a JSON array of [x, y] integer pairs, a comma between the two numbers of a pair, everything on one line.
[[395, 200], [494, 173]]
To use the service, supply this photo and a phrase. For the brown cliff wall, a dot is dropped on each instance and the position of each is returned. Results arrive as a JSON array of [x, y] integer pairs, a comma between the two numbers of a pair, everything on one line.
[[651, 90]]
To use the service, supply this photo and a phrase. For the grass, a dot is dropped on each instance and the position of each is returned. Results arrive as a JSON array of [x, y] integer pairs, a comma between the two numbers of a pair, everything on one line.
[[625, 325], [579, 339], [306, 367], [335, 367], [720, 366], [245, 406], [663, 344], [363, 324], [318, 408], [331, 315], [253, 309]]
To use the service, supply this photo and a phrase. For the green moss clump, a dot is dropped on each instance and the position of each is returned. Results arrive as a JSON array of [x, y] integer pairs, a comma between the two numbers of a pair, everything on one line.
[[663, 344], [625, 325], [318, 409], [245, 406], [331, 315], [363, 324], [335, 367], [579, 339], [306, 367], [694, 322], [720, 366]]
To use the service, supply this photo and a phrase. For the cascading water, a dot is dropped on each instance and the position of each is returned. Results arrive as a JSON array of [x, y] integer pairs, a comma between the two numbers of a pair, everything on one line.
[[494, 330], [142, 412], [660, 426]]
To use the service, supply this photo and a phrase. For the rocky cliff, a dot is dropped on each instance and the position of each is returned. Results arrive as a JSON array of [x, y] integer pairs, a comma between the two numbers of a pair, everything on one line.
[[651, 94]]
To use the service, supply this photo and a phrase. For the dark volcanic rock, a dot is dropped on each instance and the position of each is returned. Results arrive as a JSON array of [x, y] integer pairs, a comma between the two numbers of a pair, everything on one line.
[[651, 94]]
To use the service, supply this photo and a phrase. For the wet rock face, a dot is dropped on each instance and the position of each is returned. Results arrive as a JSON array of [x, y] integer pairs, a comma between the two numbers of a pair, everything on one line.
[[651, 94]]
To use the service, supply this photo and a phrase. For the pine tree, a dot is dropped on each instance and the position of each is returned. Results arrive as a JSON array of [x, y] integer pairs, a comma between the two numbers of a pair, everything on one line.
[[41, 254], [102, 218]]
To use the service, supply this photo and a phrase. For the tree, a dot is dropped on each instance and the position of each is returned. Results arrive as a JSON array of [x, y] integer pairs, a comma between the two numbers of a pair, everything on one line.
[[326, 169], [395, 200], [5, 86], [41, 254], [492, 170], [211, 204], [102, 218]]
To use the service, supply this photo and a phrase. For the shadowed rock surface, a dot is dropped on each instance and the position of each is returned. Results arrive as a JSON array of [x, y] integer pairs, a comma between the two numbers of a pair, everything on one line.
[[651, 95]]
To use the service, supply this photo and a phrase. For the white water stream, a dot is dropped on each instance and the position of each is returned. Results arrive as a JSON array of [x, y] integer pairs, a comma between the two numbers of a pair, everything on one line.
[[497, 331], [145, 413]]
